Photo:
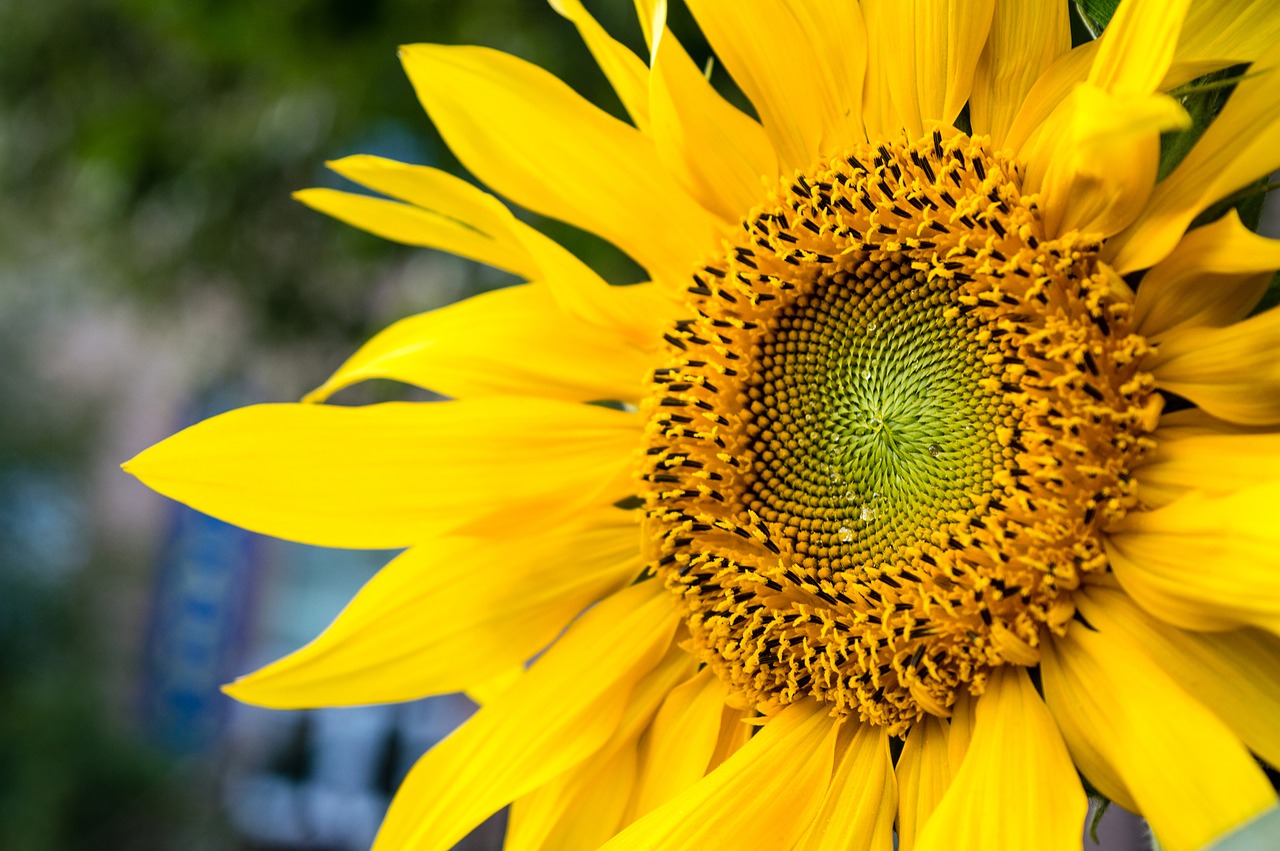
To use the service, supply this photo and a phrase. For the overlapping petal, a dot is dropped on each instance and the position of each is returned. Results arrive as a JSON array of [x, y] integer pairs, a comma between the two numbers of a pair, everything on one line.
[[569, 160], [557, 715], [761, 799], [1214, 277], [380, 649], [1232, 372], [1204, 562], [516, 341], [1173, 759], [924, 772], [861, 800], [929, 56], [1026, 37], [1041, 802]]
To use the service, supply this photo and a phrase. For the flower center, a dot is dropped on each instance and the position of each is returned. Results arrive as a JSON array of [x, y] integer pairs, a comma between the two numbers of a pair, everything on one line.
[[883, 449]]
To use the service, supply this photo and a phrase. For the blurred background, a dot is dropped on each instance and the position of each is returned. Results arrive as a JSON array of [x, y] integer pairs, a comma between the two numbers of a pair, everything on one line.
[[154, 271]]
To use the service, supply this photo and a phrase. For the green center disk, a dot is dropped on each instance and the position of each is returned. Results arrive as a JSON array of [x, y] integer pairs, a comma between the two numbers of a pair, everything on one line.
[[879, 426]]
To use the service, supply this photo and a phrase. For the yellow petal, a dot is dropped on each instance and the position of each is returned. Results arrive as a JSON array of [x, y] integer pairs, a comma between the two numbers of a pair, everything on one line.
[[924, 772], [515, 341], [558, 714], [930, 53], [1017, 757], [1241, 145], [960, 729], [391, 475], [413, 226], [1214, 464], [1026, 37], [431, 189], [1232, 372], [1233, 673], [761, 799], [879, 115], [1221, 33], [564, 157], [736, 727], [1215, 276], [676, 750], [859, 807], [577, 289], [720, 156], [1188, 775], [626, 72], [379, 651], [837, 35], [488, 690], [1215, 34], [1138, 45], [1094, 160], [1204, 562], [588, 804], [766, 49]]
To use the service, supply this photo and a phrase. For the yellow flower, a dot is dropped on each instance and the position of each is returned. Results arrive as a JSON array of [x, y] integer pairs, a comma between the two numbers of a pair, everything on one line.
[[892, 479]]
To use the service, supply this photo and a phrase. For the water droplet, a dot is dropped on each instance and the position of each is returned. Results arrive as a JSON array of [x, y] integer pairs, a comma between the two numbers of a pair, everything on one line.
[[866, 375], [867, 513], [934, 450], [846, 535], [871, 326]]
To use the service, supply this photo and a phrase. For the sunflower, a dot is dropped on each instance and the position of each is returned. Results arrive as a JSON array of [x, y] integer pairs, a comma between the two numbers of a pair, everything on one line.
[[933, 470]]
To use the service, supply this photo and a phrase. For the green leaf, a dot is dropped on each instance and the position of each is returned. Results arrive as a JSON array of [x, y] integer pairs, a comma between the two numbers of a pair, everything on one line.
[[1261, 834], [1096, 14], [1203, 98]]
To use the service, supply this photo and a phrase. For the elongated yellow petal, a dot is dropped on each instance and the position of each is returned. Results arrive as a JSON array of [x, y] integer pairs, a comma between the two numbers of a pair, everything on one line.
[[1095, 159], [487, 691], [1241, 145], [1215, 276], [1017, 757], [879, 115], [720, 156], [589, 803], [1230, 372], [862, 799], [761, 799], [636, 313], [513, 341], [557, 715], [431, 189], [392, 475], [1215, 34], [930, 52], [1138, 46], [924, 772], [626, 72], [1026, 37], [1205, 562], [1233, 673], [1214, 464], [378, 651], [766, 49], [1187, 773], [837, 34], [1219, 33], [413, 226], [676, 750], [564, 158]]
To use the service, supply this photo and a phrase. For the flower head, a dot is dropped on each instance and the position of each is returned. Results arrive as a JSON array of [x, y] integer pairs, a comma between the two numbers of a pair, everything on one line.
[[941, 466]]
